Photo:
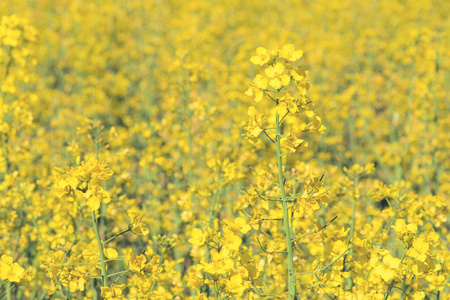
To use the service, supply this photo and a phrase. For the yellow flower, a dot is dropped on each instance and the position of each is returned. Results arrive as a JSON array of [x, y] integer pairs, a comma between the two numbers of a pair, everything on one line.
[[235, 284], [195, 277], [136, 226], [273, 71], [405, 233], [93, 170], [95, 196], [231, 241], [239, 224], [263, 56], [260, 56], [289, 53], [288, 102], [315, 126], [141, 267], [293, 143], [91, 254], [257, 87], [114, 292], [10, 271], [255, 125], [419, 249], [198, 237], [277, 76], [389, 269], [339, 247], [76, 281], [221, 262]]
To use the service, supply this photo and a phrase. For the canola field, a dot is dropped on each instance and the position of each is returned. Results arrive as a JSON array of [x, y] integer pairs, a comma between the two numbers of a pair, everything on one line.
[[213, 149]]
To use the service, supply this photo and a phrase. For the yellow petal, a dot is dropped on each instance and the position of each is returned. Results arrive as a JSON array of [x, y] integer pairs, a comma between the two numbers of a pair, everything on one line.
[[260, 82], [270, 71], [252, 111], [275, 83], [261, 51], [249, 92], [279, 68], [111, 253], [259, 95], [286, 51], [296, 55], [256, 60], [285, 79]]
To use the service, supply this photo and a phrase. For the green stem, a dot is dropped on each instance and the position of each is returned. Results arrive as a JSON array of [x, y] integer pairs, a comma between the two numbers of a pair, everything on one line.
[[123, 273], [213, 206], [104, 273], [5, 154], [352, 229], [326, 268], [119, 273], [39, 233], [394, 140], [287, 230], [211, 212], [102, 218], [78, 264], [112, 238], [75, 238], [10, 61], [7, 292]]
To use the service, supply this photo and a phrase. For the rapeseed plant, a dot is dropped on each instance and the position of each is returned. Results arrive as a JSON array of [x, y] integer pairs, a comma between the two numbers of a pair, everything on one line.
[[274, 86]]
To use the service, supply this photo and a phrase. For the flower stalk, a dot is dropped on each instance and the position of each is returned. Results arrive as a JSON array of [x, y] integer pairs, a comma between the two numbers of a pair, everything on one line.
[[104, 271], [287, 229]]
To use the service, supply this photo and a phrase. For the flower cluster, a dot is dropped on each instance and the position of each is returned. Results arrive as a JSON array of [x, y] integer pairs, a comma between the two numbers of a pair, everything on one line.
[[286, 84], [13, 272], [231, 268], [85, 180]]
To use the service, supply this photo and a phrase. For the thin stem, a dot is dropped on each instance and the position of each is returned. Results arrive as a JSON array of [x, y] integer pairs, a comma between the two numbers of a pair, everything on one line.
[[10, 61], [306, 234], [269, 137], [276, 294], [211, 212], [308, 272], [12, 286], [75, 238], [78, 264], [287, 230], [123, 273], [270, 96], [335, 260], [5, 154], [117, 235], [282, 119], [104, 273], [310, 193], [115, 259], [118, 273], [213, 206], [352, 229], [39, 233]]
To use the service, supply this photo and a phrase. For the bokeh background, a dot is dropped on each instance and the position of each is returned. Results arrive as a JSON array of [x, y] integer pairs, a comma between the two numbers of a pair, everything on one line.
[[164, 83]]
